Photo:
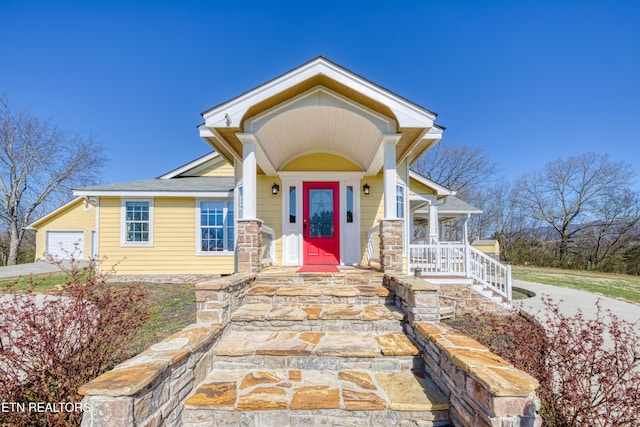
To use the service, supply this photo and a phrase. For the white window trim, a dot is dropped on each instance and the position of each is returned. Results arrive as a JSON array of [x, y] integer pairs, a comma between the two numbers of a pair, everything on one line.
[[199, 251], [123, 224]]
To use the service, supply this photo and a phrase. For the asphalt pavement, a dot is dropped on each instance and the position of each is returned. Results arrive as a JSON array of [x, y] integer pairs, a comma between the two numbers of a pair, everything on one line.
[[572, 300], [39, 267]]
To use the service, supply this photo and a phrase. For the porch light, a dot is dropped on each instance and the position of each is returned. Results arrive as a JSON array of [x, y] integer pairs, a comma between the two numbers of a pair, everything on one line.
[[366, 189], [275, 188]]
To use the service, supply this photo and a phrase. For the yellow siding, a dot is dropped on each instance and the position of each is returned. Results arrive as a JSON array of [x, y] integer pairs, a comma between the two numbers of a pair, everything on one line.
[[321, 162], [269, 209], [221, 168], [420, 188], [72, 218], [215, 167], [371, 210], [174, 241]]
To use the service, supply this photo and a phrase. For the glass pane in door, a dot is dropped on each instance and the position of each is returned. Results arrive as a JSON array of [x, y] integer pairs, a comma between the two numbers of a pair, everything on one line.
[[321, 213]]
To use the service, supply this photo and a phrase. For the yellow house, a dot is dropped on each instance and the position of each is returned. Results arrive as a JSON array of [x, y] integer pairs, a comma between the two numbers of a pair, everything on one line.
[[309, 169]]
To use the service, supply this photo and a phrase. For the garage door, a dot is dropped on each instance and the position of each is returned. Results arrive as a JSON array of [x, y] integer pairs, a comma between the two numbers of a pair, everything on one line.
[[65, 244]]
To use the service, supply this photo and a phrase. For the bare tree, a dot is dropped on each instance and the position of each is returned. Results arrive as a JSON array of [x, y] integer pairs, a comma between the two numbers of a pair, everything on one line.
[[458, 167], [39, 164], [571, 195], [615, 230], [471, 173]]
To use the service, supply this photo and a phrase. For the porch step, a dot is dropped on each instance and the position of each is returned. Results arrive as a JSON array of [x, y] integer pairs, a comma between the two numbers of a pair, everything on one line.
[[447, 280], [285, 349], [285, 293], [346, 276], [489, 294], [318, 317], [293, 397]]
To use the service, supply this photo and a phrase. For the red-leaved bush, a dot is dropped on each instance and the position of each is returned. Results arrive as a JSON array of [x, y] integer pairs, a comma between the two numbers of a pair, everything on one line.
[[589, 369], [52, 344]]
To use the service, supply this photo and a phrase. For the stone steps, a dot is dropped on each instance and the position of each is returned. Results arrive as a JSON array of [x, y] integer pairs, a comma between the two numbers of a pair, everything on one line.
[[320, 294], [346, 278], [318, 317], [243, 345], [317, 350], [293, 397]]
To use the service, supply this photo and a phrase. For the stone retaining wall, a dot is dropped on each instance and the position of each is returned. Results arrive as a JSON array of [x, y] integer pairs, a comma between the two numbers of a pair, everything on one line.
[[417, 298], [148, 390], [217, 299], [484, 389]]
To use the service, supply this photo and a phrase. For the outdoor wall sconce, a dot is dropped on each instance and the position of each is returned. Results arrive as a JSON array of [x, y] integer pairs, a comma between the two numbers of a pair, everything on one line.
[[275, 188], [366, 190]]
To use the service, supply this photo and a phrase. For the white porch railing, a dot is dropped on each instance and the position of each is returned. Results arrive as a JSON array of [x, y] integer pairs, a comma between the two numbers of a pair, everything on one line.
[[268, 248], [491, 273], [455, 258], [437, 259]]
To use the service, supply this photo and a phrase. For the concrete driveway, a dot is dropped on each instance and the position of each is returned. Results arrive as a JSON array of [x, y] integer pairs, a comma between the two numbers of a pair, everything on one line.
[[39, 267], [570, 300]]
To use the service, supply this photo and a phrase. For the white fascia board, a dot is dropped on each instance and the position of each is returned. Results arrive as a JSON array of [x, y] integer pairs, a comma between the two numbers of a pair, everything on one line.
[[217, 194], [231, 112], [440, 190], [191, 165], [212, 133]]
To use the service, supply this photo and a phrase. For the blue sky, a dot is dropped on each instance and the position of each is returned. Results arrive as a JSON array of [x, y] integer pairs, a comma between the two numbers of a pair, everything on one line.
[[530, 81]]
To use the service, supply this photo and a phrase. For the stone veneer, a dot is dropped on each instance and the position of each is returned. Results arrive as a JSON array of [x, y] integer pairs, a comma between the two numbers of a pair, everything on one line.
[[248, 245], [415, 297], [149, 389], [160, 279], [391, 245], [217, 299], [483, 388]]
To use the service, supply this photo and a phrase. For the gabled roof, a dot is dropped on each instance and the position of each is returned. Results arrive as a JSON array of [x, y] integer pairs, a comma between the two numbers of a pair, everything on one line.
[[451, 205], [201, 186], [439, 189], [53, 213], [317, 65], [209, 157], [319, 107]]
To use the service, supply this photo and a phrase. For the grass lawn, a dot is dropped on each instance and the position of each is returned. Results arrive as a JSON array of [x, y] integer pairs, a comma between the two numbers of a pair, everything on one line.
[[172, 306], [613, 285]]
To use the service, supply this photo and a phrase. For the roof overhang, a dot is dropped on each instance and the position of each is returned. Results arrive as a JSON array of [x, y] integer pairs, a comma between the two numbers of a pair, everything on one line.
[[114, 193], [319, 107], [440, 190]]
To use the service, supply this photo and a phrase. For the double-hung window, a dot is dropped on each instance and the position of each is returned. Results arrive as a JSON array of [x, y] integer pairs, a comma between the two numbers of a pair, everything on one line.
[[137, 223], [215, 226]]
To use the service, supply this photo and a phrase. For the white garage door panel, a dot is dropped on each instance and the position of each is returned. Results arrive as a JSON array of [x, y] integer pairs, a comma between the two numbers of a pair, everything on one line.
[[65, 244]]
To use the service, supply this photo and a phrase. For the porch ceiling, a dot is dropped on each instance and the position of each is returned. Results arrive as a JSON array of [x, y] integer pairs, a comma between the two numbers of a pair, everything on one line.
[[319, 129]]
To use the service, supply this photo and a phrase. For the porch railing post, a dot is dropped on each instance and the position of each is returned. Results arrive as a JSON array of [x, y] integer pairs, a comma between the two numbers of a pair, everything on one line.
[[467, 259]]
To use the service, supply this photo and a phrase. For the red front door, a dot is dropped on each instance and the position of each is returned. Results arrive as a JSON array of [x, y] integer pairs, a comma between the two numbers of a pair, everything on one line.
[[320, 223]]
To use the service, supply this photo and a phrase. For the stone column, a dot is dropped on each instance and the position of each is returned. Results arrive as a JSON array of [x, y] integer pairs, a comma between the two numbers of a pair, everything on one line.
[[248, 247], [391, 245]]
